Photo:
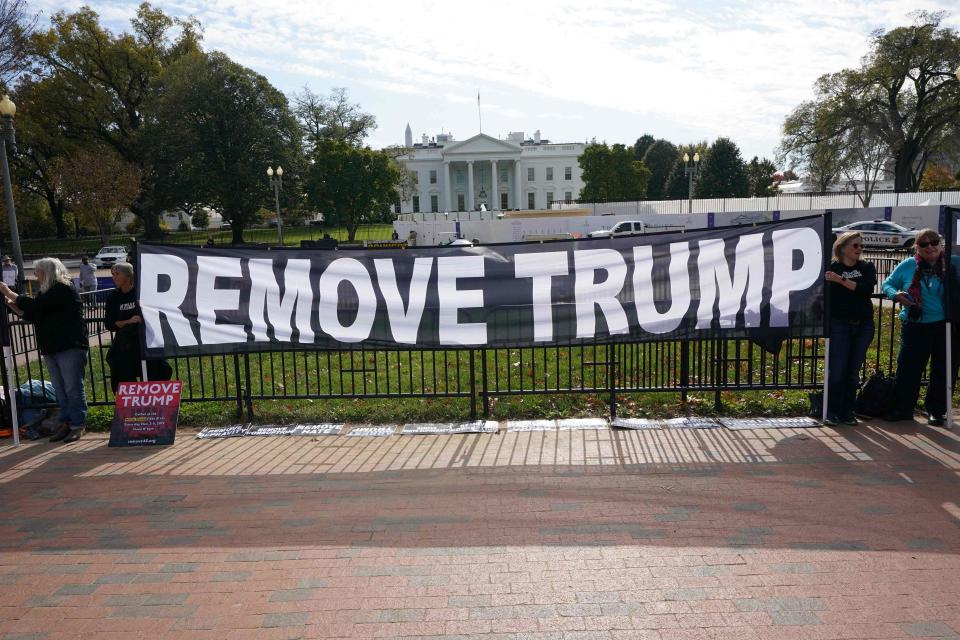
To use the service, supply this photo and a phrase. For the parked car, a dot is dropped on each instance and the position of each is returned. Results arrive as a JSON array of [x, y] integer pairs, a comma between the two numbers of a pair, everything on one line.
[[109, 256], [634, 227], [881, 233]]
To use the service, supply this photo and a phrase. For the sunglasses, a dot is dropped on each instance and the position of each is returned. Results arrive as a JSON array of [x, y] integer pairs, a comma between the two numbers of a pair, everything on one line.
[[929, 243]]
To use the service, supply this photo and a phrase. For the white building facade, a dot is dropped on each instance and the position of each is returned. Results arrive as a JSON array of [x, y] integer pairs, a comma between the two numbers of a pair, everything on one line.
[[499, 174]]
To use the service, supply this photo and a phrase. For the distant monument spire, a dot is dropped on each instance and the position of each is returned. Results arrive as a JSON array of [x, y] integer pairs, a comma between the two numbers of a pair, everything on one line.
[[408, 137]]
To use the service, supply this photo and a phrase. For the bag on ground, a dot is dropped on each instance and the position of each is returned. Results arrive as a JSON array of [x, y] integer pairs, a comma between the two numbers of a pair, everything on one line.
[[876, 394]]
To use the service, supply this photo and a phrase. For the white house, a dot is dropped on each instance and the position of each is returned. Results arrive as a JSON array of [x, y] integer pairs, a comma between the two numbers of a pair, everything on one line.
[[515, 173]]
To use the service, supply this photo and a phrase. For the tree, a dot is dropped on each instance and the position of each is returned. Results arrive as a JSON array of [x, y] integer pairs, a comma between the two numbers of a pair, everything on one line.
[[331, 118], [936, 178], [100, 83], [904, 93], [41, 140], [723, 173], [678, 182], [350, 184], [99, 185], [16, 26], [659, 158], [761, 173], [610, 174], [641, 145], [223, 124], [864, 162]]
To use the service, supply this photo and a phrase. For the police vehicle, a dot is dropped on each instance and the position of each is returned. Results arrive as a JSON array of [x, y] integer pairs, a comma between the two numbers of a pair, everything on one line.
[[881, 233]]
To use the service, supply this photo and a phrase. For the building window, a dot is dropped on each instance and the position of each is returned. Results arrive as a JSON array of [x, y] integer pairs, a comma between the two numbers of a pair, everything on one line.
[[461, 202], [396, 207], [433, 176], [549, 174], [530, 174], [504, 176], [568, 197], [549, 197], [434, 204], [503, 201], [568, 173], [416, 204], [459, 177], [531, 203]]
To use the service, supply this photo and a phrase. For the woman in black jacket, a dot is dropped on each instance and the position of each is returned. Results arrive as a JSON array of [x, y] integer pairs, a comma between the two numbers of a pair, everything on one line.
[[57, 314], [851, 281]]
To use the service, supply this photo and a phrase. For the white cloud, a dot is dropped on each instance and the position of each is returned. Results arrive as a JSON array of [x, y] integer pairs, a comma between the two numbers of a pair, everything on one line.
[[612, 69]]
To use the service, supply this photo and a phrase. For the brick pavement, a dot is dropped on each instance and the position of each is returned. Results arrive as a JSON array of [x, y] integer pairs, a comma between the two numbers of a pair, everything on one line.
[[822, 533]]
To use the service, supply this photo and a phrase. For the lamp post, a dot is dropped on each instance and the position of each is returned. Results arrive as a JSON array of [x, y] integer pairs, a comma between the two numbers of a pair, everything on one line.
[[7, 110], [690, 171], [276, 181]]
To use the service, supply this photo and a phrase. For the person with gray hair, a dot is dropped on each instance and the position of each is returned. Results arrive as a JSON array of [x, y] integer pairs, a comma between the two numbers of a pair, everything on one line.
[[57, 314], [122, 317]]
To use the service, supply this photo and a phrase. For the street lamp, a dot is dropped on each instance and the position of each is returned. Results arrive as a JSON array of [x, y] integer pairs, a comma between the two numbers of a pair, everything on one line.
[[690, 171], [276, 181], [7, 110]]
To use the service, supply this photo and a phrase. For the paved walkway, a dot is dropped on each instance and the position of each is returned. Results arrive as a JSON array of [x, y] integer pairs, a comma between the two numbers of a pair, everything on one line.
[[673, 534]]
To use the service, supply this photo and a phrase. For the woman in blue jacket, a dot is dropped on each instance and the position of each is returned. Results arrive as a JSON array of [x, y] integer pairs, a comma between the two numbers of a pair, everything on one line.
[[917, 284]]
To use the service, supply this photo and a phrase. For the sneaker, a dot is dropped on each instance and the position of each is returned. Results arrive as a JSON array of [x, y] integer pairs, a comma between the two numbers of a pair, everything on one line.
[[934, 420], [851, 421], [73, 436], [831, 421]]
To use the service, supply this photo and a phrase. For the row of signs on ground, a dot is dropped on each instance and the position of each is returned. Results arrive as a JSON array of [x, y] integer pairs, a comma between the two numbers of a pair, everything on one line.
[[513, 426]]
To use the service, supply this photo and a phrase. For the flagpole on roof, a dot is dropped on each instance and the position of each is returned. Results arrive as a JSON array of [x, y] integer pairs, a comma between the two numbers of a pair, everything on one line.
[[479, 115]]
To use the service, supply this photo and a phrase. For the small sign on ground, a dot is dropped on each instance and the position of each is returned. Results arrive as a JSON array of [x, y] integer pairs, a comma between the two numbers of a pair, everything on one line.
[[739, 424], [270, 430], [515, 426], [232, 431], [637, 423], [690, 423], [371, 432], [324, 429], [574, 424], [450, 428]]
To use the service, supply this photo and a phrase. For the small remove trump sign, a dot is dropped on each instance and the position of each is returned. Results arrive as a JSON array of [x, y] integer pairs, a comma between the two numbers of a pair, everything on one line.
[[145, 413]]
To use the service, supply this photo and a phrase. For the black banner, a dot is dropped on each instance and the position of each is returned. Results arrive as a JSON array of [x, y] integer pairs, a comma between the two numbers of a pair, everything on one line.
[[752, 281]]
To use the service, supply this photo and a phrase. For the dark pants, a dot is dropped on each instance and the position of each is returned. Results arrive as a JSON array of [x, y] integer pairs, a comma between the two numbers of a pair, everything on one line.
[[848, 350], [920, 342]]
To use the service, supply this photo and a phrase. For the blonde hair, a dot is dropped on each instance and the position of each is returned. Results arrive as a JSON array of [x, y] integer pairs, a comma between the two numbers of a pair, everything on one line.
[[53, 272], [843, 240]]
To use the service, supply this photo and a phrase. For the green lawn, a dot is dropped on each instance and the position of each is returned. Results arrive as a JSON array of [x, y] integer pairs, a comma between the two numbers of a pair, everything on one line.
[[74, 247]]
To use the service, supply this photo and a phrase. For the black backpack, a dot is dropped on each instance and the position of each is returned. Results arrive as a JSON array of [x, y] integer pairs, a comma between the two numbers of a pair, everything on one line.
[[876, 395]]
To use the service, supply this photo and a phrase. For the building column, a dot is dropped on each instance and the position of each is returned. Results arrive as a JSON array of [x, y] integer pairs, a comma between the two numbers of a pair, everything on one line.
[[469, 200], [495, 198], [446, 187], [517, 189]]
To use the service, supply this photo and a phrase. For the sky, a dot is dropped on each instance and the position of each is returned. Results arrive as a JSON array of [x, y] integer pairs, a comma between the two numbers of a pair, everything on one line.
[[605, 69]]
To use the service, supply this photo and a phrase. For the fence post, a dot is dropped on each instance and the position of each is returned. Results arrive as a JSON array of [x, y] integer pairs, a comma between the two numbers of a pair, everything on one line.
[[684, 368], [483, 381], [239, 383], [247, 392], [473, 385], [719, 358], [612, 378], [10, 416]]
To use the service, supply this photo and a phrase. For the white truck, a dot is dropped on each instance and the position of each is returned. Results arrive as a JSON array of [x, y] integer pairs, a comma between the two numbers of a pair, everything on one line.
[[634, 227]]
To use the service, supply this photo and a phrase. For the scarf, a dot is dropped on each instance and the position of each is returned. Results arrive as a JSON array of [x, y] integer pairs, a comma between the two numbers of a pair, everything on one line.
[[938, 269]]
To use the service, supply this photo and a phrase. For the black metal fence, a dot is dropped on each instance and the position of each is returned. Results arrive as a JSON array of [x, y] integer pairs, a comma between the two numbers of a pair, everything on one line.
[[679, 366]]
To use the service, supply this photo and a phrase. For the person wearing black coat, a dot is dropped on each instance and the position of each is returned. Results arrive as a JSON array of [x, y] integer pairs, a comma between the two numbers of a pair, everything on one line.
[[57, 314], [122, 317]]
